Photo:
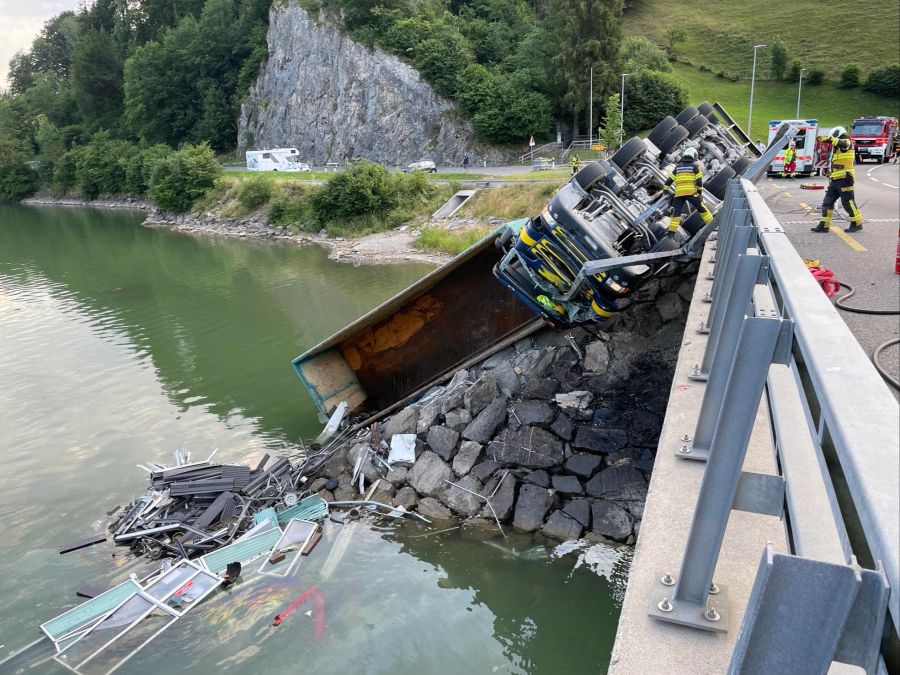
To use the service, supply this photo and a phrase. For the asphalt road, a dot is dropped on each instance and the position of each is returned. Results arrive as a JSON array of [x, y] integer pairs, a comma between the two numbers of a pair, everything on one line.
[[865, 260]]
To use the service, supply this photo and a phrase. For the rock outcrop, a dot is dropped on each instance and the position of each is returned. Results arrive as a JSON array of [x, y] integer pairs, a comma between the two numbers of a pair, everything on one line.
[[335, 99]]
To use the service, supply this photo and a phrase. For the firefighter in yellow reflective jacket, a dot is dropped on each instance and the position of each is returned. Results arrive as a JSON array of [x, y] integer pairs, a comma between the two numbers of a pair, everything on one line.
[[790, 161], [841, 184], [686, 184]]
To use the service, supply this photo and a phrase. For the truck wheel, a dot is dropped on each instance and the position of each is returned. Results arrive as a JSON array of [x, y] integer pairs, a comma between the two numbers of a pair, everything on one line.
[[673, 139], [692, 224], [589, 175], [880, 159], [696, 125], [718, 183], [705, 109], [660, 130], [687, 115], [740, 165], [629, 153]]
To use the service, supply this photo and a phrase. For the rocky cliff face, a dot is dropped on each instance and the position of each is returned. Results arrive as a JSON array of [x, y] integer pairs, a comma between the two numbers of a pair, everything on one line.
[[335, 99]]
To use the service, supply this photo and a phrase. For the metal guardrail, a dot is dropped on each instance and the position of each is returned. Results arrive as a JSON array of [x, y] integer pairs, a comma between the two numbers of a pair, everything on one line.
[[776, 340]]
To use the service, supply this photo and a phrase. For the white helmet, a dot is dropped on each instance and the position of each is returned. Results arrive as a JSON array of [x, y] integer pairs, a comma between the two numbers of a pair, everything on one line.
[[689, 153], [837, 132]]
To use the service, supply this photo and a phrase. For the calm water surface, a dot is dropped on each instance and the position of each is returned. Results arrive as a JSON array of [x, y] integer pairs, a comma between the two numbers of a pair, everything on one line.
[[119, 344]]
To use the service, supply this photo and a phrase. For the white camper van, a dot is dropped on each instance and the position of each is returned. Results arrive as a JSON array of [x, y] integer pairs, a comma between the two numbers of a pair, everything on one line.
[[276, 159], [805, 142]]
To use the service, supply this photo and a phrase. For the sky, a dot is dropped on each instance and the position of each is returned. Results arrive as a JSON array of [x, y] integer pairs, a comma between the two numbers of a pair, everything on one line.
[[20, 21]]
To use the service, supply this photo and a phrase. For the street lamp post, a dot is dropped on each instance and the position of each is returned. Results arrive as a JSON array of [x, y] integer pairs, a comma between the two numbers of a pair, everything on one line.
[[622, 108], [752, 82], [799, 89], [591, 111]]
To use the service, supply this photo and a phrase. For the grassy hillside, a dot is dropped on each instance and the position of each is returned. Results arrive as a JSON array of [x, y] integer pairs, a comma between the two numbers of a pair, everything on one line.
[[778, 100], [721, 35]]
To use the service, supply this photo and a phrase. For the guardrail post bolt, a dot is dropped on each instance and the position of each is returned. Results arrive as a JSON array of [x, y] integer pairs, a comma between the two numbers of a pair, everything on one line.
[[713, 589], [667, 580], [665, 606], [684, 449], [696, 369], [685, 439], [710, 614], [702, 326]]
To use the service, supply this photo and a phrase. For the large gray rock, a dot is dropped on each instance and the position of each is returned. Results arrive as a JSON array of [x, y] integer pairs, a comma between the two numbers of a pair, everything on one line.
[[576, 404], [461, 502], [429, 475], [610, 520], [507, 380], [428, 416], [563, 427], [503, 499], [540, 387], [527, 446], [531, 507], [599, 440], [458, 419], [397, 475], [484, 469], [432, 509], [669, 306], [481, 393], [455, 391], [538, 477], [335, 465], [562, 527], [482, 428], [442, 441], [468, 455], [621, 483], [568, 485], [580, 510], [384, 492], [583, 465], [537, 413], [596, 357], [404, 422], [406, 497], [334, 99], [367, 468]]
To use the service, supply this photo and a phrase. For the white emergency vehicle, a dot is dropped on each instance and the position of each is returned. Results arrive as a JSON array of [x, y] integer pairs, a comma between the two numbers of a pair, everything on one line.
[[805, 142]]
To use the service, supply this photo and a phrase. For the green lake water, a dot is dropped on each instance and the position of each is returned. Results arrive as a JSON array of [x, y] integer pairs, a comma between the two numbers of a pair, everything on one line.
[[119, 344]]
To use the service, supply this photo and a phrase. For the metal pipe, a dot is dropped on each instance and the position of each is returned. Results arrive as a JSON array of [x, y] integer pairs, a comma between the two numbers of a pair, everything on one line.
[[752, 82]]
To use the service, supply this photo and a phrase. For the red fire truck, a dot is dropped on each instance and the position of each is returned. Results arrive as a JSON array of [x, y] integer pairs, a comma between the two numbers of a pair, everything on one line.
[[873, 138]]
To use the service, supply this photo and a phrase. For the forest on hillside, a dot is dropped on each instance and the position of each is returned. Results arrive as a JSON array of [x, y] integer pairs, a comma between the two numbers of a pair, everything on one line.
[[134, 80]]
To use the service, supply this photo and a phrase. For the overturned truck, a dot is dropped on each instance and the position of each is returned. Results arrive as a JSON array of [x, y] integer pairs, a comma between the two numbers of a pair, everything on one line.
[[599, 238]]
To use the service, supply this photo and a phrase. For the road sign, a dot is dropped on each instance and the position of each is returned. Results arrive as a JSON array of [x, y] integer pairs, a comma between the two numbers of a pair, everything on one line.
[[531, 142]]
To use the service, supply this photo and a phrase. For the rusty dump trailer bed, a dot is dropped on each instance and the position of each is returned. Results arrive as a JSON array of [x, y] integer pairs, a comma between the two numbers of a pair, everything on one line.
[[455, 316]]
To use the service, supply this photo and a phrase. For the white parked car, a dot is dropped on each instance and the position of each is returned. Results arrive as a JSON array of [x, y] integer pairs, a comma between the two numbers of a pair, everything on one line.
[[425, 165], [276, 159]]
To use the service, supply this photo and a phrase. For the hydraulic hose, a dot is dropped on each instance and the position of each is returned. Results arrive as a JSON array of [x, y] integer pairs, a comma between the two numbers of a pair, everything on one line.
[[839, 303]]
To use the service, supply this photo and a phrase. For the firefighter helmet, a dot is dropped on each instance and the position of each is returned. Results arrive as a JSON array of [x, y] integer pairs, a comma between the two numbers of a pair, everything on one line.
[[689, 153], [838, 132]]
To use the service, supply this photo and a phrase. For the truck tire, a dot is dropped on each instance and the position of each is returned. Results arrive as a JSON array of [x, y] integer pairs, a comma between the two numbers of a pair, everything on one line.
[[686, 115], [696, 125], [692, 224], [589, 175], [676, 136], [705, 109], [629, 153], [740, 165], [718, 183], [660, 130]]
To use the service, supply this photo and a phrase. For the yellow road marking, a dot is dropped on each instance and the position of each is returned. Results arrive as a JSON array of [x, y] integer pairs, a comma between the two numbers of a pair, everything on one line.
[[787, 194], [847, 239]]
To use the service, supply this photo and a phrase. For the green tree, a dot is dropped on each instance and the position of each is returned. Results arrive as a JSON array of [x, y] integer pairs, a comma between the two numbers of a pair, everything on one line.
[[183, 177], [638, 53], [97, 79], [440, 60], [850, 77], [816, 76], [584, 34], [362, 190], [793, 74], [17, 179], [139, 170], [102, 164], [675, 34], [51, 147], [884, 81], [649, 97], [611, 131], [780, 58]]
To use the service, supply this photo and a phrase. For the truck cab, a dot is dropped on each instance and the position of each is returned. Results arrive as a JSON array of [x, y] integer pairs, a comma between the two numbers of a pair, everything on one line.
[[873, 138], [805, 142]]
